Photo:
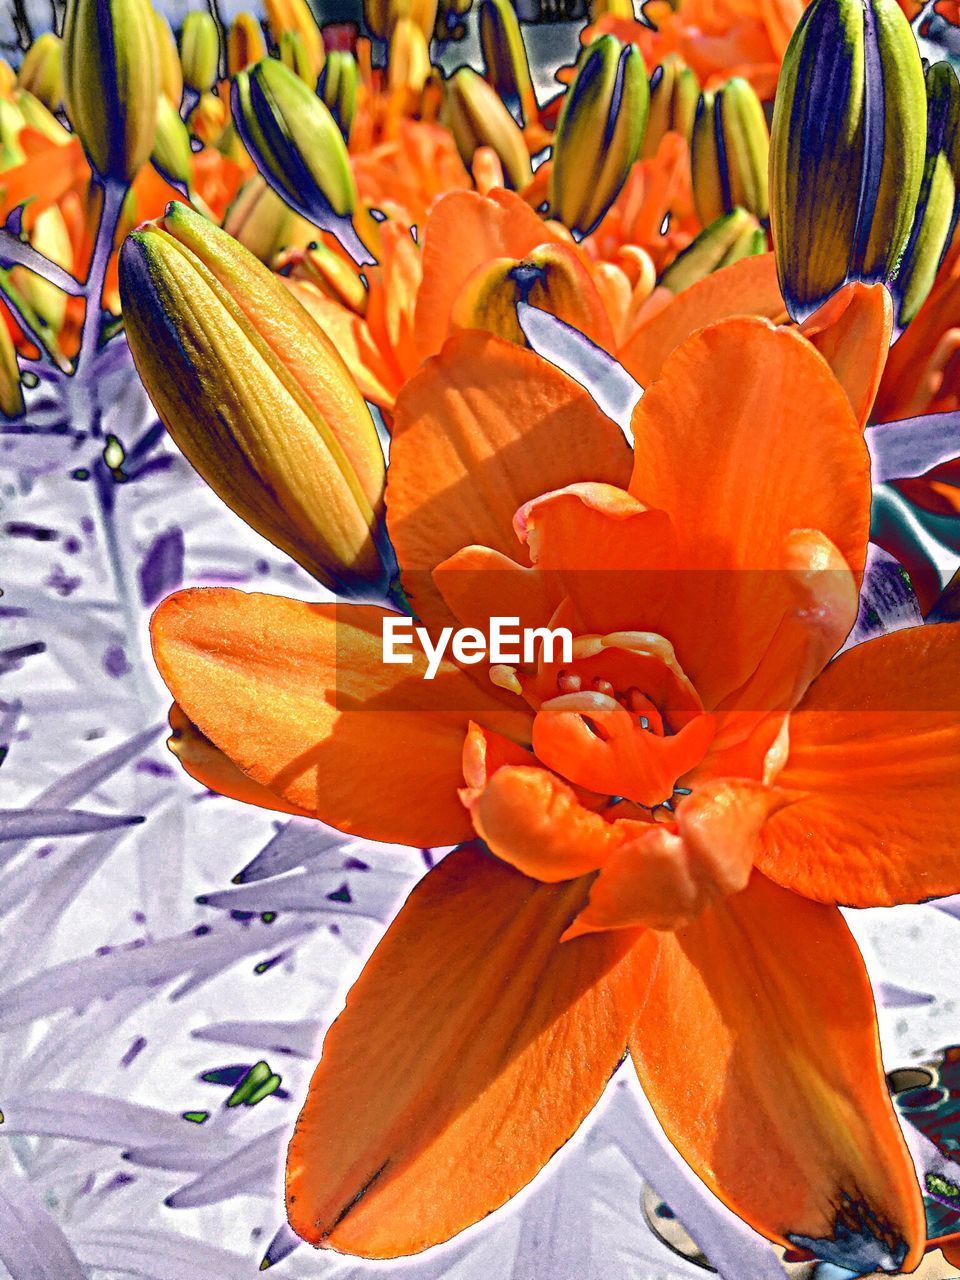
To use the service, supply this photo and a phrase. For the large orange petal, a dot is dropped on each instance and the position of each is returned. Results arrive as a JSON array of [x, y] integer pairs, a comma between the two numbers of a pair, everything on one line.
[[298, 697], [481, 429], [745, 438], [745, 288], [875, 751], [852, 332], [463, 231], [470, 1049], [757, 1047]]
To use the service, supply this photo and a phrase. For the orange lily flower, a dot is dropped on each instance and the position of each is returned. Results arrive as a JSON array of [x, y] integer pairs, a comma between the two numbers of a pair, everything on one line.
[[666, 822], [717, 38]]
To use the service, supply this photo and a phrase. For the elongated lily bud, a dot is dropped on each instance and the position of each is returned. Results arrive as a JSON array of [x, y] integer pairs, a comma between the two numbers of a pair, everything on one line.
[[295, 143], [730, 153], [172, 156], [599, 133], [326, 270], [245, 43], [260, 220], [169, 70], [408, 58], [611, 8], [935, 217], [8, 78], [730, 237], [255, 395], [674, 91], [41, 71], [339, 81], [293, 54], [11, 389], [37, 116], [505, 60], [847, 150], [208, 119], [199, 51], [477, 117], [110, 82], [295, 15]]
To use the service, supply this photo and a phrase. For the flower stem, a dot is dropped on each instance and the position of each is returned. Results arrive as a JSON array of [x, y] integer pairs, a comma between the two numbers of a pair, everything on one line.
[[113, 197]]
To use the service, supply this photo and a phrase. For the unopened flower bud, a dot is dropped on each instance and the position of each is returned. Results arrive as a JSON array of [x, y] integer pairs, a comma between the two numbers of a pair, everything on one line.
[[935, 217], [260, 220], [408, 59], [327, 271], [295, 15], [728, 238], [674, 91], [599, 133], [169, 70], [199, 51], [11, 389], [245, 43], [255, 395], [38, 117], [339, 81], [172, 156], [41, 71], [293, 54], [296, 144], [847, 148], [477, 117], [505, 56], [110, 82], [8, 78], [730, 153]]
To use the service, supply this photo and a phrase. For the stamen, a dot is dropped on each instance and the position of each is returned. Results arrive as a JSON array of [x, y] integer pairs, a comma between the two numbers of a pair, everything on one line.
[[505, 677], [567, 682], [603, 686]]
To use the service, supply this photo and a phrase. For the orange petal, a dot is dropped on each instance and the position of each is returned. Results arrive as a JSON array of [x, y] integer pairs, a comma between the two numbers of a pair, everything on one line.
[[745, 288], [478, 584], [875, 750], [298, 697], [852, 331], [668, 874], [481, 429], [471, 1048], [757, 1047], [536, 822], [718, 446], [217, 772], [463, 231]]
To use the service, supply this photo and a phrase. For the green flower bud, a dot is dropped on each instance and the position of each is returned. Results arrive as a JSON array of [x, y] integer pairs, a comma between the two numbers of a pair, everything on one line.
[[255, 395], [476, 116], [11, 390], [847, 152], [172, 156], [168, 60], [674, 91], [37, 116], [260, 220], [730, 153], [110, 82], [297, 146], [293, 54], [41, 71], [245, 43], [199, 51], [599, 133], [505, 56], [339, 81], [730, 237], [935, 217]]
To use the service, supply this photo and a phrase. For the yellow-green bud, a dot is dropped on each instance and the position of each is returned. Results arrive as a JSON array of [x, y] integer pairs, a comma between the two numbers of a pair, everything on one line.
[[172, 156], [339, 81], [293, 54], [12, 121], [730, 153], [111, 83], [255, 395], [41, 71], [168, 60], [847, 149], [199, 51], [297, 146], [295, 15], [935, 218], [730, 237], [599, 133], [505, 56], [476, 116], [37, 116], [674, 90], [11, 390], [260, 220], [245, 43]]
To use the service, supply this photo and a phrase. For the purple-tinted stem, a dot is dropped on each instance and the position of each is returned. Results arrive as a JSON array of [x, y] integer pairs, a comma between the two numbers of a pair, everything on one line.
[[14, 251], [113, 197]]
